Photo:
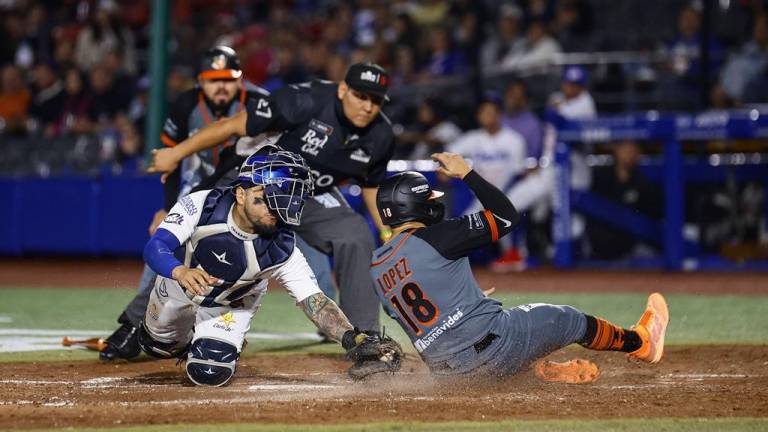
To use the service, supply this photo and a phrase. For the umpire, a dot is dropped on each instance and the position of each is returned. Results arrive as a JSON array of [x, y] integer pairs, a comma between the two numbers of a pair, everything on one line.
[[221, 92], [340, 131]]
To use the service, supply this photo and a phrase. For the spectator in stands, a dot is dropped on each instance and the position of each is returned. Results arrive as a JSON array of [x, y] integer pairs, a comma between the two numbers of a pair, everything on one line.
[[748, 64], [573, 101], [48, 98], [37, 45], [573, 25], [622, 184], [129, 155], [497, 154], [404, 71], [76, 105], [14, 100], [537, 50], [685, 52], [107, 100], [103, 34], [444, 60], [335, 68], [256, 53], [500, 42], [430, 133], [521, 119], [11, 32]]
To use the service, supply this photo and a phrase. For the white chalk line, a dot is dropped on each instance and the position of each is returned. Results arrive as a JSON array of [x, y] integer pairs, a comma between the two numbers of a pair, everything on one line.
[[30, 340]]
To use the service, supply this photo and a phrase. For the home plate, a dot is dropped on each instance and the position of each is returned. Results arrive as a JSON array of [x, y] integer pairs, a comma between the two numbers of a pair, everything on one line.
[[290, 387]]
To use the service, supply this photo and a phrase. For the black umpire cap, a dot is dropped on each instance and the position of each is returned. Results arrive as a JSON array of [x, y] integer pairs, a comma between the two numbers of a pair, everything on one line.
[[368, 78], [220, 62]]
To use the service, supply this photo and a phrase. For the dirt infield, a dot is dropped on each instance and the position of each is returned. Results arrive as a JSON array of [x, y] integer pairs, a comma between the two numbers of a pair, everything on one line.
[[100, 273], [277, 389]]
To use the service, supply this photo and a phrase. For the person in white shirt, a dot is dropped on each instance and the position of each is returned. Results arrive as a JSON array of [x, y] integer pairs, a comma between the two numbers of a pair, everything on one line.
[[534, 192], [497, 153]]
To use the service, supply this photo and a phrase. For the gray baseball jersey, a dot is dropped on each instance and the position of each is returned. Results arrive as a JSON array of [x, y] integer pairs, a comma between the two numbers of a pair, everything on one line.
[[425, 282]]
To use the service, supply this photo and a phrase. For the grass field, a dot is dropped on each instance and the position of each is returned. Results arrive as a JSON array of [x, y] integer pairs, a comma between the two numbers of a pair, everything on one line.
[[695, 320]]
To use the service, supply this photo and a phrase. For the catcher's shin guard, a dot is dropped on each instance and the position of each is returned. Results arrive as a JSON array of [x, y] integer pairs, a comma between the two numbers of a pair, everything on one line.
[[211, 362], [157, 349]]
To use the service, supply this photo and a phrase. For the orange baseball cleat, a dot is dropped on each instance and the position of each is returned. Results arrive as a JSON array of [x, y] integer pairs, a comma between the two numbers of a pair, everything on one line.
[[652, 329]]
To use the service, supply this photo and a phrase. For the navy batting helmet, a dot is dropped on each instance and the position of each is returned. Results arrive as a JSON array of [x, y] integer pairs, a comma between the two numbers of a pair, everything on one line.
[[286, 178], [407, 197]]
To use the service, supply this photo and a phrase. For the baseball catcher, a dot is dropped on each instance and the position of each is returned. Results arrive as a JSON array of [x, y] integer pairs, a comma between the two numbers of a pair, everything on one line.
[[424, 280], [214, 253]]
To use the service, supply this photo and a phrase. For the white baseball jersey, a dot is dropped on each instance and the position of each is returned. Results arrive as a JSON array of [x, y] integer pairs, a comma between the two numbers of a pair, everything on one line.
[[498, 157]]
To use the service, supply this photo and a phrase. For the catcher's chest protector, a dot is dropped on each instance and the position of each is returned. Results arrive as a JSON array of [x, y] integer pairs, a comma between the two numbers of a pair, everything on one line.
[[239, 258]]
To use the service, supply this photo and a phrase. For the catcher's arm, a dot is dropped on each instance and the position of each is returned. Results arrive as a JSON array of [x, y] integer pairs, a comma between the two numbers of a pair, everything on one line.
[[327, 316], [371, 353]]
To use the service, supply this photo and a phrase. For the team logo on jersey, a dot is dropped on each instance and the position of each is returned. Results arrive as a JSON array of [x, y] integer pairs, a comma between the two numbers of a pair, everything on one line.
[[222, 257], [506, 223], [152, 311], [189, 205], [162, 291], [426, 341], [225, 322], [475, 221], [360, 155], [315, 137], [174, 218], [321, 127]]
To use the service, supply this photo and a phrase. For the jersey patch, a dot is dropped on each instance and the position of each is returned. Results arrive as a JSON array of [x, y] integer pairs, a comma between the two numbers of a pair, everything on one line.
[[189, 205], [360, 155], [476, 222], [321, 127], [174, 218]]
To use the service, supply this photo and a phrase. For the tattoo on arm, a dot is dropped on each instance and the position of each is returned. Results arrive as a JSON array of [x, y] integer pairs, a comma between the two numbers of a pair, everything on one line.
[[326, 315]]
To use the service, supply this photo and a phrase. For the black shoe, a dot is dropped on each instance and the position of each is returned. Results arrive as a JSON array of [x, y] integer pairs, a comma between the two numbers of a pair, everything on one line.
[[122, 344]]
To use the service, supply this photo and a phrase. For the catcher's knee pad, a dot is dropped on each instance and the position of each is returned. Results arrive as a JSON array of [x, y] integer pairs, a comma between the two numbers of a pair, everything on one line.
[[157, 349], [211, 362]]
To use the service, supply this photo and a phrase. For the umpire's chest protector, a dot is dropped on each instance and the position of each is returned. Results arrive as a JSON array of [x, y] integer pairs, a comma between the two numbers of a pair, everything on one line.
[[242, 260]]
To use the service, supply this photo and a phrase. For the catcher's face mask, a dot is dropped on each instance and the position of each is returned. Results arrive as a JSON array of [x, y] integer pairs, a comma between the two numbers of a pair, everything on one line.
[[287, 182]]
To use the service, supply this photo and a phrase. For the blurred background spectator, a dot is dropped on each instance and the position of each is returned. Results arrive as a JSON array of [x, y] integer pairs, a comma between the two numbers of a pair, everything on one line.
[[76, 72]]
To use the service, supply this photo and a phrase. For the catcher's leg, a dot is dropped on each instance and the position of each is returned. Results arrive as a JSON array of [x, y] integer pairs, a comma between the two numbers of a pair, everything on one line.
[[218, 341], [168, 321]]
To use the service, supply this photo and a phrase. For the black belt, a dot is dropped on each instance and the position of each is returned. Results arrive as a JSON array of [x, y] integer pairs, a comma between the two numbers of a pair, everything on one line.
[[485, 342]]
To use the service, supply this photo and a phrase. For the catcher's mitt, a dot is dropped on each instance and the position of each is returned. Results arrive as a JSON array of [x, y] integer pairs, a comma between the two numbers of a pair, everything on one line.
[[374, 354]]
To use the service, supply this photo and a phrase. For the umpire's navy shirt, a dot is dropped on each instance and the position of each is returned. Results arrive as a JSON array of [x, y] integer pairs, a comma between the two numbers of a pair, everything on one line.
[[313, 124]]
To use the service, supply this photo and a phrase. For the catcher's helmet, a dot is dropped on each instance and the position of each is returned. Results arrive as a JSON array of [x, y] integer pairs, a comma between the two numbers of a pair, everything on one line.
[[220, 62], [286, 178], [407, 197]]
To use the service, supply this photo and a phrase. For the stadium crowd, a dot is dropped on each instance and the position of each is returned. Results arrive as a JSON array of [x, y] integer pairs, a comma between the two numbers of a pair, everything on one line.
[[79, 68]]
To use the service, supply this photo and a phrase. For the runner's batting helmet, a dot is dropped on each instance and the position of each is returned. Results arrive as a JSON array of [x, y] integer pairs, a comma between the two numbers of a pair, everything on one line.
[[407, 197]]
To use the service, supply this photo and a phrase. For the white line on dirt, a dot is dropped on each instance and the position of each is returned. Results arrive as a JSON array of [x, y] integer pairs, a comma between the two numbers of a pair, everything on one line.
[[705, 376], [29, 340], [290, 387]]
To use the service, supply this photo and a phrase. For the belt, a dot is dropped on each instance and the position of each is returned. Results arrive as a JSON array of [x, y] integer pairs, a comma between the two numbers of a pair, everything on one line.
[[485, 342]]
